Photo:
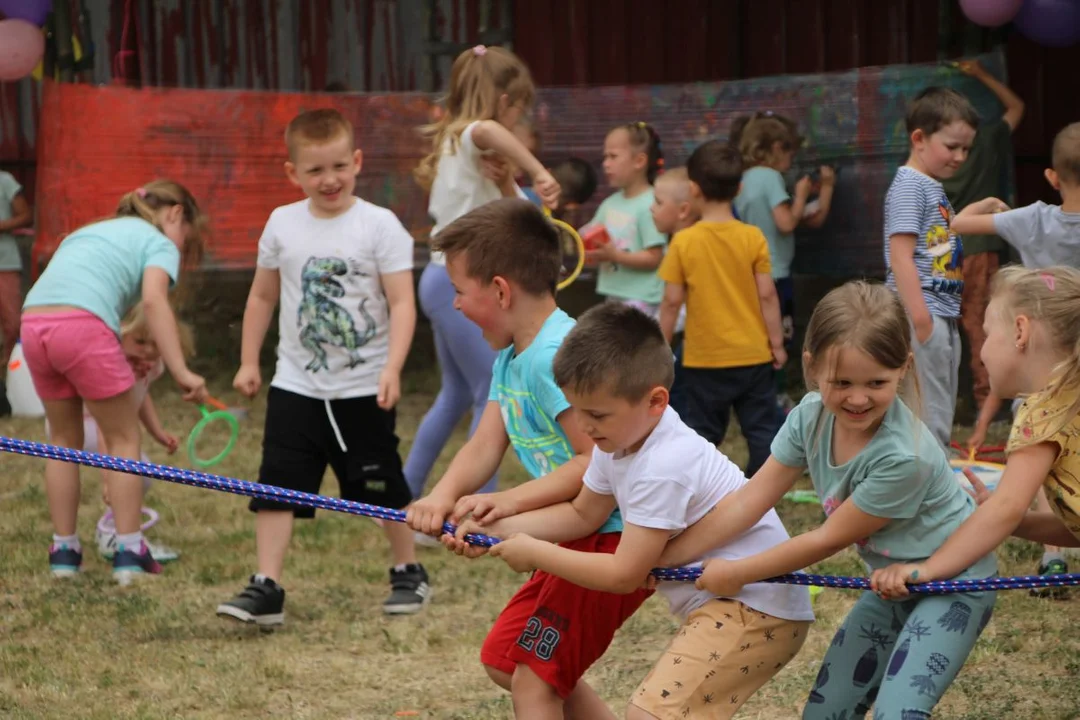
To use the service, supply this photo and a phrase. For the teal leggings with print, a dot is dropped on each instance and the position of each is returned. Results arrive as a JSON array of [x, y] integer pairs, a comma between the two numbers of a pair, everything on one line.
[[899, 657]]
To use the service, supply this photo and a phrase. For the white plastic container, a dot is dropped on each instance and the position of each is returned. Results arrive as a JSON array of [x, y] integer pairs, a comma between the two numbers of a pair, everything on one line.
[[21, 395]]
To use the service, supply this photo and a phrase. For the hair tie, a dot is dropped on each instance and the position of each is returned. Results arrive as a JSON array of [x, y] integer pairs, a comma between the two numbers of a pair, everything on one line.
[[479, 51], [1048, 279], [141, 192], [640, 124]]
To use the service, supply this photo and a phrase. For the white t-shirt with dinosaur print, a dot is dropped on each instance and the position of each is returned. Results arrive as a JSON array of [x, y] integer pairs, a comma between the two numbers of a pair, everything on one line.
[[333, 322]]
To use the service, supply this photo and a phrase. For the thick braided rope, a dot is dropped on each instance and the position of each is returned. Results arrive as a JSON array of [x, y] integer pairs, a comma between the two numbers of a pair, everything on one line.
[[270, 492]]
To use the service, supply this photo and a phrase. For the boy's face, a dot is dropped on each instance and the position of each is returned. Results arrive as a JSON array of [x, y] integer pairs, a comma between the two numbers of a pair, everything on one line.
[[326, 172], [616, 424], [668, 213], [942, 153], [485, 305]]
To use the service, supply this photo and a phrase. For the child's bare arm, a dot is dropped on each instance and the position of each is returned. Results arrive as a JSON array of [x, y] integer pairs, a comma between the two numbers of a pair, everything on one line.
[[490, 135], [582, 515], [1014, 106], [824, 200], [846, 525], [1001, 515], [474, 463], [770, 311], [978, 217], [733, 515], [674, 298], [787, 216], [622, 572], [401, 299], [902, 260], [21, 216], [262, 299]]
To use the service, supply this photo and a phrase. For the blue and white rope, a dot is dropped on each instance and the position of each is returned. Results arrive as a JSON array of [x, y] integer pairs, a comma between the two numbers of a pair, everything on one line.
[[269, 492]]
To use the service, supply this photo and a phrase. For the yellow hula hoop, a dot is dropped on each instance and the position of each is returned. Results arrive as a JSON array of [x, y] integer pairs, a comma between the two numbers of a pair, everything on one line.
[[580, 246]]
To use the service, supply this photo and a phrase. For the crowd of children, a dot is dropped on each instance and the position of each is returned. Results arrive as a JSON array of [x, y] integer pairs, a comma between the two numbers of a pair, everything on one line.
[[617, 416]]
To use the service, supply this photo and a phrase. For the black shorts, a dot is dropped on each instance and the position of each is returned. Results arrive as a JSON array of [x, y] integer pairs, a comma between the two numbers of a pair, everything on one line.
[[300, 441]]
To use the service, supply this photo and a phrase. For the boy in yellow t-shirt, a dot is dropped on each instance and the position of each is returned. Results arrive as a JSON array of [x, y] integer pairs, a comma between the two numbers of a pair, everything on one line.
[[720, 269]]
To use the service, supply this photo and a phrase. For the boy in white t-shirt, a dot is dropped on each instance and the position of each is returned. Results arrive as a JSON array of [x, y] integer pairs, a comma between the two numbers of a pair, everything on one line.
[[342, 270], [615, 369]]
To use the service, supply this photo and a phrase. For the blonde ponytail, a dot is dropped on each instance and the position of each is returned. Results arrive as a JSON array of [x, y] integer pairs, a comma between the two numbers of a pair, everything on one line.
[[479, 77]]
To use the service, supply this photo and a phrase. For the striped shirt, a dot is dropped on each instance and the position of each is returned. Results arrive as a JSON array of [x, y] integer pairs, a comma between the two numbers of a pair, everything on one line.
[[916, 204]]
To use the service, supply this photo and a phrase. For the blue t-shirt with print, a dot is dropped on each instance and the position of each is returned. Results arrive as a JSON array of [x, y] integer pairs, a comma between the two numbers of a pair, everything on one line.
[[916, 204], [99, 268], [524, 386], [902, 474]]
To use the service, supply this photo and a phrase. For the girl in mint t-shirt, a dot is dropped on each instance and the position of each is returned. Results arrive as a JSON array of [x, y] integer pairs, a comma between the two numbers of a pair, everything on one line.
[[628, 261], [768, 143], [886, 487]]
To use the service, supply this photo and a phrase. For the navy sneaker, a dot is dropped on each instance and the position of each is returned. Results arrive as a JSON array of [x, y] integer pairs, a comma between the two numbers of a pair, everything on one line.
[[128, 564], [63, 561], [262, 603], [409, 591]]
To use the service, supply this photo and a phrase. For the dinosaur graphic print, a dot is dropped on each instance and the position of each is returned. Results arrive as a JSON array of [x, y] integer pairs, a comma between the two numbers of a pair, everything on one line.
[[322, 320]]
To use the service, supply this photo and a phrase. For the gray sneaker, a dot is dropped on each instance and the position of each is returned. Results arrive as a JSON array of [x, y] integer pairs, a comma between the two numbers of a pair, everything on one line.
[[410, 591]]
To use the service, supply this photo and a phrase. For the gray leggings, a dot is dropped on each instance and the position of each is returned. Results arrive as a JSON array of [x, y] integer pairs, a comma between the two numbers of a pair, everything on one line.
[[899, 657]]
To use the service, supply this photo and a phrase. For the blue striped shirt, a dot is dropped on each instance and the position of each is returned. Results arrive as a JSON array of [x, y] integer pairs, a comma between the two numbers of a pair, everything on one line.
[[916, 204]]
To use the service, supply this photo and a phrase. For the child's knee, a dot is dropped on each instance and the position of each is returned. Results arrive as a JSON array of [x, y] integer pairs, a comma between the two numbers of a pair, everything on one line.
[[529, 689]]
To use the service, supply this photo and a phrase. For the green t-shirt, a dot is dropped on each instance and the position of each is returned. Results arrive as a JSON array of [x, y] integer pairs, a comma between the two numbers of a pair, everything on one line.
[[902, 474], [762, 190], [10, 259], [982, 175], [630, 226]]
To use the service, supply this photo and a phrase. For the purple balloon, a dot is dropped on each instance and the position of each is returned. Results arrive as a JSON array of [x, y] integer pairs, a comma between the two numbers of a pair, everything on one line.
[[1053, 23], [990, 13], [32, 11]]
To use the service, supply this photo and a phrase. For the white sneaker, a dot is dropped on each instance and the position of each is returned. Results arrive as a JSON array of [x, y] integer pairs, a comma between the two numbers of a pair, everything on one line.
[[106, 542]]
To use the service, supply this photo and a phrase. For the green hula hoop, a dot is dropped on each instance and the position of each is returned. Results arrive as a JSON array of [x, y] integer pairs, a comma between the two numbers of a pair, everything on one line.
[[208, 418]]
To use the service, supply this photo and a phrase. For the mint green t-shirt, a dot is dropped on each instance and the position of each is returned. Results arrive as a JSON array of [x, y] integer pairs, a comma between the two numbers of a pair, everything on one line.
[[630, 226], [762, 190], [100, 267], [902, 474]]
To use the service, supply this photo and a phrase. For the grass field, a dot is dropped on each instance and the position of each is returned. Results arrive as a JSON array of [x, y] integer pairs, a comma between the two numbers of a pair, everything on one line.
[[89, 649]]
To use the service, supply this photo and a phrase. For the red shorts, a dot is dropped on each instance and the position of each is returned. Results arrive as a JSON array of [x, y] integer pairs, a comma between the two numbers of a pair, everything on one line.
[[74, 354], [558, 629]]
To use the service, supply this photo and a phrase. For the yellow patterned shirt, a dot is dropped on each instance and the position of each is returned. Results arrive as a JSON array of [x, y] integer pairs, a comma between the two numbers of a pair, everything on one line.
[[1033, 420]]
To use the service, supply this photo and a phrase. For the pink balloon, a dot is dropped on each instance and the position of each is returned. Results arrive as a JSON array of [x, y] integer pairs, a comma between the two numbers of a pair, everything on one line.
[[991, 13], [22, 46]]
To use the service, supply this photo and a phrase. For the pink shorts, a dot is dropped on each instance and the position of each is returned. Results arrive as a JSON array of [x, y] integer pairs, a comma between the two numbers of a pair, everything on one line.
[[74, 354]]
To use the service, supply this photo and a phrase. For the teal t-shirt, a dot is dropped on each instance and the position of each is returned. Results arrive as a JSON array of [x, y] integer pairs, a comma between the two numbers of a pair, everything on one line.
[[531, 402], [762, 190], [99, 268], [902, 474], [10, 259], [630, 226]]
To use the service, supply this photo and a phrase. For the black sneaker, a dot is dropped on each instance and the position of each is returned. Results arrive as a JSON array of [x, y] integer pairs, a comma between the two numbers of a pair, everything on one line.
[[262, 602], [1054, 567], [409, 591]]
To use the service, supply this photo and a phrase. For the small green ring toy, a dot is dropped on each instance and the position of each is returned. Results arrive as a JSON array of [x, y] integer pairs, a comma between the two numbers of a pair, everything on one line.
[[208, 418]]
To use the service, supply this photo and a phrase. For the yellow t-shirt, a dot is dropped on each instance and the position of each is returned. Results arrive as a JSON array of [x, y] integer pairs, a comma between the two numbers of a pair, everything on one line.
[[1062, 486], [717, 262]]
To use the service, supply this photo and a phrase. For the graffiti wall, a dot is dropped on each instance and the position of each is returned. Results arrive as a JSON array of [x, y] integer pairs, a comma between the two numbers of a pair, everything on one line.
[[227, 147]]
